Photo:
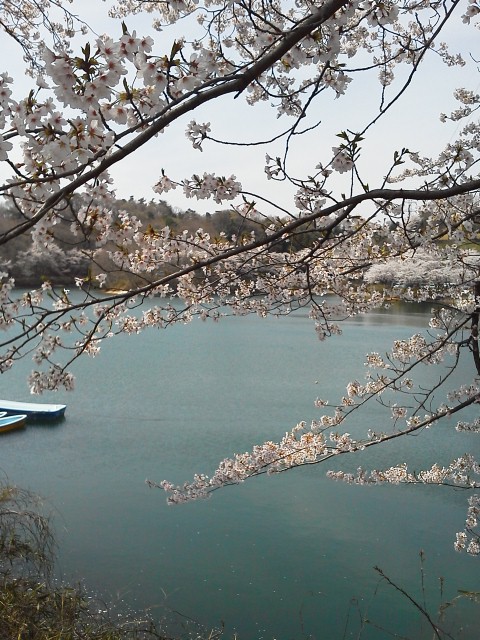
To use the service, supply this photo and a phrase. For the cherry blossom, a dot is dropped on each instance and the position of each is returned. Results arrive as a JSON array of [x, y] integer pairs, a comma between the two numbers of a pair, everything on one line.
[[334, 244]]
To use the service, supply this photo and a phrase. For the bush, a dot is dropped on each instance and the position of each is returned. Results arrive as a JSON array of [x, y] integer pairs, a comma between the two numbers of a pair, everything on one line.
[[33, 606]]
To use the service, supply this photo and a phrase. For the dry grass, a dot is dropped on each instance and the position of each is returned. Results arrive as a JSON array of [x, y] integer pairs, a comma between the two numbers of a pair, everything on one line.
[[35, 607]]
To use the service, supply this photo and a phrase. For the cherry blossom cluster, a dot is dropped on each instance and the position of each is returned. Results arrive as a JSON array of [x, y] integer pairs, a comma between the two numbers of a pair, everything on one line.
[[472, 11], [474, 426], [461, 472], [465, 392], [299, 446], [469, 540], [341, 161], [208, 185], [429, 269], [54, 378], [197, 133]]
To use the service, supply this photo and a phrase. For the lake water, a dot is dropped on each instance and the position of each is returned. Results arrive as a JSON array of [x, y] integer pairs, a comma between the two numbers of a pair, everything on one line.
[[288, 556]]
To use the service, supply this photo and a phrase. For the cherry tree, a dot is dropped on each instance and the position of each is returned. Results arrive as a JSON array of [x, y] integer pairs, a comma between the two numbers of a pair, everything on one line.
[[93, 106]]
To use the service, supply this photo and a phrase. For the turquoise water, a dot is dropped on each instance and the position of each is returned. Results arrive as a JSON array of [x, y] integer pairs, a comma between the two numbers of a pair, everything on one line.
[[289, 556]]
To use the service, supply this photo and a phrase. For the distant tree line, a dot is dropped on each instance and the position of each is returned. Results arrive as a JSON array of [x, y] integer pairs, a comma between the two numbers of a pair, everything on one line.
[[30, 264]]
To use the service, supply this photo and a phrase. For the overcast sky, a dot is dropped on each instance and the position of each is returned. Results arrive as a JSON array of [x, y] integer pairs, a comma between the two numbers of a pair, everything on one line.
[[412, 123]]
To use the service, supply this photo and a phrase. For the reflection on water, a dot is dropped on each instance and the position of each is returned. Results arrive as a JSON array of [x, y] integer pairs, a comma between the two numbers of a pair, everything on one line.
[[276, 557]]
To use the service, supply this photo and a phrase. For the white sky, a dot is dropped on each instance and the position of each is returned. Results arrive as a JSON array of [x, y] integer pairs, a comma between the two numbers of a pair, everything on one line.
[[412, 123]]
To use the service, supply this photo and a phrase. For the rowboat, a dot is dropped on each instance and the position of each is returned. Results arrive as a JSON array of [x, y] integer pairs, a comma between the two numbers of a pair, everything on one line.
[[33, 410], [9, 423]]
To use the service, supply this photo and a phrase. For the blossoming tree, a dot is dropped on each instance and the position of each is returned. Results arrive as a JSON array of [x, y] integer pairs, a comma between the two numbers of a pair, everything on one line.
[[93, 107]]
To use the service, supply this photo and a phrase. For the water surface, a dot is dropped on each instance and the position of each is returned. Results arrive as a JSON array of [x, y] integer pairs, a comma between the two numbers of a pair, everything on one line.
[[279, 557]]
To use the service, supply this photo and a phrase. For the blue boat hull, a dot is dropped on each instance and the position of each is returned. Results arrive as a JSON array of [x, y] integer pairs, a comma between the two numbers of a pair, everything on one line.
[[33, 411]]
